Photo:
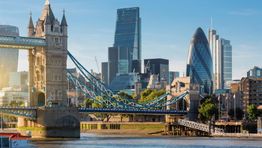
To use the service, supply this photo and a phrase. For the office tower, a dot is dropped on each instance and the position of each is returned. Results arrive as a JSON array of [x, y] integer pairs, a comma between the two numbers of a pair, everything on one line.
[[226, 50], [255, 72], [8, 57], [128, 40], [158, 67], [221, 51], [124, 58], [105, 72], [172, 76], [19, 80], [112, 63], [199, 65]]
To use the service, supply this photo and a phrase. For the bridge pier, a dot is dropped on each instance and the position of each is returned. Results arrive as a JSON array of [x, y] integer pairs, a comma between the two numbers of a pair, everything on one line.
[[193, 105], [52, 122]]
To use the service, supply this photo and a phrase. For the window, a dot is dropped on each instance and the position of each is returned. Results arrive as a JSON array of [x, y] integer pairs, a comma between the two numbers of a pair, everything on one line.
[[57, 41], [56, 29]]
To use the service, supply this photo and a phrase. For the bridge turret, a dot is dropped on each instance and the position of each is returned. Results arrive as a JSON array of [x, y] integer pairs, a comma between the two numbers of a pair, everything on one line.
[[49, 64], [64, 24], [31, 28], [47, 24]]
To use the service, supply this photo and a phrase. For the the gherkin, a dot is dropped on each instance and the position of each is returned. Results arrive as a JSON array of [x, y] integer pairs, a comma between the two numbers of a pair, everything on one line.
[[199, 64]]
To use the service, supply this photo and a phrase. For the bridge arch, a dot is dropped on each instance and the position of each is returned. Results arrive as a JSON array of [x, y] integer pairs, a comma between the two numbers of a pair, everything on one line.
[[41, 99]]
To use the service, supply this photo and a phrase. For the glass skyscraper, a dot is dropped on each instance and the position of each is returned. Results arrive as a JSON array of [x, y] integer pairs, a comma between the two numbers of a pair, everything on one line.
[[221, 51], [226, 49], [8, 57], [158, 67], [199, 65], [128, 40]]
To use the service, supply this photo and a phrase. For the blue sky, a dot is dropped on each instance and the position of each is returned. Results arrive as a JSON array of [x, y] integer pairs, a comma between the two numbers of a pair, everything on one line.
[[167, 27]]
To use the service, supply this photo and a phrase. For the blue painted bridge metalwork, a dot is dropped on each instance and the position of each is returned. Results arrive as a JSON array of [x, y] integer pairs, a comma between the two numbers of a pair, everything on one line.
[[129, 111], [26, 112], [21, 42], [31, 112], [95, 89]]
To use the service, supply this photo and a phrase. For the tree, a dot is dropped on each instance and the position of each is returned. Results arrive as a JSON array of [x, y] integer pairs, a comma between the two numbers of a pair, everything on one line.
[[87, 102], [148, 95], [125, 95], [16, 104], [252, 112], [239, 113], [207, 111], [145, 93], [104, 116]]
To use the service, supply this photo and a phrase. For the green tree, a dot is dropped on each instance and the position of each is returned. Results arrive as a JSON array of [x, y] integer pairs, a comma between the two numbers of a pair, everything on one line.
[[207, 111], [149, 95], [145, 93], [16, 104], [104, 116], [87, 102], [239, 113], [125, 95], [252, 112]]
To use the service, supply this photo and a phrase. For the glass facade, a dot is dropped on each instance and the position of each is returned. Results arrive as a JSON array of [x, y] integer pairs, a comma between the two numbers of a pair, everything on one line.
[[8, 57], [173, 75], [123, 82], [226, 62], [158, 67], [105, 72], [221, 50], [128, 40], [199, 66], [112, 63], [255, 72]]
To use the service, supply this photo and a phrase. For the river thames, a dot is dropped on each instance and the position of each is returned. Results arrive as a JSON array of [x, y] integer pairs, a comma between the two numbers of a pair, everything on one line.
[[125, 141]]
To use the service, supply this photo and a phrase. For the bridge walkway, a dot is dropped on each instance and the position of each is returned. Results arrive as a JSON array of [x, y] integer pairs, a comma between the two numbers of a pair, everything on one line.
[[199, 126]]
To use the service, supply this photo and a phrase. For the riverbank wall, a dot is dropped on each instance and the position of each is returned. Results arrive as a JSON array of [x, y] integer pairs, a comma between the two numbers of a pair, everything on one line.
[[123, 127]]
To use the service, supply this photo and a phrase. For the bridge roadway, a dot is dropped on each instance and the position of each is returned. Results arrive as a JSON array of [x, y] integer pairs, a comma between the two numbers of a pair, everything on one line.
[[26, 112], [21, 42], [31, 112]]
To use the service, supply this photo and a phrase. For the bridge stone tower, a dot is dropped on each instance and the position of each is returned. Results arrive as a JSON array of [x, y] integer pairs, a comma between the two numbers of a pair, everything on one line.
[[47, 66], [48, 81]]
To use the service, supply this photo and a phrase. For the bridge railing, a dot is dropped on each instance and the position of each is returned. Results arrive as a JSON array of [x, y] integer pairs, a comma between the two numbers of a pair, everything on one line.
[[198, 126]]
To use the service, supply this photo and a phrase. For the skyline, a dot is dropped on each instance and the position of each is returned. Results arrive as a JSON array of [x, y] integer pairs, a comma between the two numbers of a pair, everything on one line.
[[170, 32]]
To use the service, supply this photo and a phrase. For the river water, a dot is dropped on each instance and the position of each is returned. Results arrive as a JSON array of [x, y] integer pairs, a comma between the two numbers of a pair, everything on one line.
[[125, 141]]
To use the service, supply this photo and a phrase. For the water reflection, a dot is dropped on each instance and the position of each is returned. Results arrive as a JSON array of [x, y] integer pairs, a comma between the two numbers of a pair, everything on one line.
[[116, 141]]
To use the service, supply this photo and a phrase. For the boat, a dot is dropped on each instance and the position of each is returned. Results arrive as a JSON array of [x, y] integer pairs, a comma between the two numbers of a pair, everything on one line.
[[13, 140]]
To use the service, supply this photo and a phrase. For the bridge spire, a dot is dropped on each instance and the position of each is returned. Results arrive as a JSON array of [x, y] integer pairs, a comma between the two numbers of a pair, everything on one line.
[[30, 26], [64, 22]]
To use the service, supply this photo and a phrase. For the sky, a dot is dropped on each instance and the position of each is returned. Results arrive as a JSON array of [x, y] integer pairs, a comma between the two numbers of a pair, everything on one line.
[[167, 27]]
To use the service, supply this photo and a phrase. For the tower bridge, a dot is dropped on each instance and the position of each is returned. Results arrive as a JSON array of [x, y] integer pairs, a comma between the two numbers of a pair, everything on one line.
[[48, 79]]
